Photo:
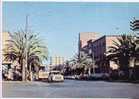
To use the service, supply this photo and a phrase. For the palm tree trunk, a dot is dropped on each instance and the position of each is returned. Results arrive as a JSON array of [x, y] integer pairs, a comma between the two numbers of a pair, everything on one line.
[[132, 64], [23, 73], [30, 73], [89, 71]]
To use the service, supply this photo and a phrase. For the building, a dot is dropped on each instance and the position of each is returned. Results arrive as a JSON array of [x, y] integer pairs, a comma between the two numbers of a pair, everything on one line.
[[84, 37], [6, 65], [97, 48], [5, 37], [57, 60]]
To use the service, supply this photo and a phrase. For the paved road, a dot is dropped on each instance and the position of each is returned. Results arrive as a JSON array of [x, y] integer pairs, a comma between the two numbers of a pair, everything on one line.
[[71, 88]]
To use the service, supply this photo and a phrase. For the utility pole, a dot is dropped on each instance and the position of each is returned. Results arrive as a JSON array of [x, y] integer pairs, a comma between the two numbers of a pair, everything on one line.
[[26, 56]]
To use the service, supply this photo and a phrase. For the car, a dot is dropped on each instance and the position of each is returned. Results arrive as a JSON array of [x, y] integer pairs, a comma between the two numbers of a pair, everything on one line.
[[106, 76], [69, 77], [83, 77], [43, 75], [99, 76], [76, 76], [55, 76]]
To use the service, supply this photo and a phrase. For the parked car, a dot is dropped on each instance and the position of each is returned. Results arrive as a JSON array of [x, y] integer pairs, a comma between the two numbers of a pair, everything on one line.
[[83, 77], [77, 76], [55, 76], [106, 76], [69, 77], [99, 76], [43, 75]]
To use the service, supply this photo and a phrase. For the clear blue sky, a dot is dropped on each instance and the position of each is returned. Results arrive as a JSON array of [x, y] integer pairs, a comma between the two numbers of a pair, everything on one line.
[[60, 23]]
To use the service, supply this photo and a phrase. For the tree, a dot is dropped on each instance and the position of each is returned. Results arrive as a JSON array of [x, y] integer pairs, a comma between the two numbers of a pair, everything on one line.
[[123, 52], [133, 50], [24, 46], [83, 62]]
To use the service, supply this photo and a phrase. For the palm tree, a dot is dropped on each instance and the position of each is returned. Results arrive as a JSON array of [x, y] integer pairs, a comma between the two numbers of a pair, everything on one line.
[[123, 51], [24, 46], [83, 62], [133, 51], [134, 58]]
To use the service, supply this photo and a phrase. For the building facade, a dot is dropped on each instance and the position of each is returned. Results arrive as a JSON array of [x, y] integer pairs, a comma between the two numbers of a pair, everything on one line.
[[56, 63], [97, 49], [84, 37], [100, 48], [5, 37], [57, 60]]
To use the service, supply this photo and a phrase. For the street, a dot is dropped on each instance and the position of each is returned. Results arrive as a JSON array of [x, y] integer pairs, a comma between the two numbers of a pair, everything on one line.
[[70, 89]]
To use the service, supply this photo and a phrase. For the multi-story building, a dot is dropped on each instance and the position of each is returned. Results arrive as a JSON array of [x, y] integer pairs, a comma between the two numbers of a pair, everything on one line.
[[97, 48], [5, 37], [5, 63], [84, 37], [57, 60]]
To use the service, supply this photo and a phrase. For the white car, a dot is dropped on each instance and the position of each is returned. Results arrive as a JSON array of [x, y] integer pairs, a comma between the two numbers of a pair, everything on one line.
[[55, 76]]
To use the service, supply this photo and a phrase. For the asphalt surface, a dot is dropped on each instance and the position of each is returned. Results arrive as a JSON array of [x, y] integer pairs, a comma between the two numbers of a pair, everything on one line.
[[70, 89]]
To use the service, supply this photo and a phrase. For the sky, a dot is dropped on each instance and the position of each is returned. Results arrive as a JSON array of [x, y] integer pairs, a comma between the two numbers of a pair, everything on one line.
[[59, 23]]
